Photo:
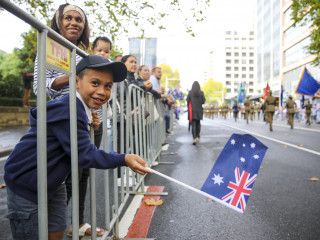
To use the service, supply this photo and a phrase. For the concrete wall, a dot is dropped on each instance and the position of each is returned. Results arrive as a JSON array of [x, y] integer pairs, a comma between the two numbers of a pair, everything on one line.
[[14, 116]]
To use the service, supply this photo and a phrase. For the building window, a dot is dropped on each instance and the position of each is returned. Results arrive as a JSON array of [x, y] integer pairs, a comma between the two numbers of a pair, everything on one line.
[[228, 38], [236, 68], [228, 83], [250, 68], [236, 38], [244, 39], [244, 61], [251, 54], [228, 75], [228, 54], [236, 75], [251, 39], [244, 75], [244, 69], [250, 90], [236, 54], [228, 68], [228, 61], [250, 83], [251, 33], [244, 54], [251, 61], [236, 90], [228, 32], [236, 61], [251, 76], [228, 90]]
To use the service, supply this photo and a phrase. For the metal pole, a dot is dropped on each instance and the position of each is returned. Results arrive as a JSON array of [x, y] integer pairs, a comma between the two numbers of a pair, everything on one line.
[[42, 137], [74, 147], [93, 208]]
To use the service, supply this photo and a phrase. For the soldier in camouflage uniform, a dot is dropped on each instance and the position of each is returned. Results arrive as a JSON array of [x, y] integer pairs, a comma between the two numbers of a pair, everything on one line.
[[308, 107], [290, 110], [247, 105], [270, 105]]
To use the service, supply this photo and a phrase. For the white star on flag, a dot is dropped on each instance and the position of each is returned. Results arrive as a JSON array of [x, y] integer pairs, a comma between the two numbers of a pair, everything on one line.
[[242, 159], [256, 156], [243, 145], [217, 179], [252, 145], [233, 142]]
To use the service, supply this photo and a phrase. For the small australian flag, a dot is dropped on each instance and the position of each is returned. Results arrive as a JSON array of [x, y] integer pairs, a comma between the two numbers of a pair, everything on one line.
[[232, 176]]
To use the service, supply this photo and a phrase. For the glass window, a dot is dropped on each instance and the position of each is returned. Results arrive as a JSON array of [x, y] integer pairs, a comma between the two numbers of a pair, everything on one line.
[[251, 33], [251, 76], [251, 69], [297, 52], [228, 61], [228, 54], [244, 61], [243, 39], [228, 90], [236, 54], [228, 32], [250, 90], [236, 68], [244, 69], [251, 61], [228, 68], [244, 75], [250, 83], [251, 54], [236, 61], [236, 75], [228, 83], [228, 75]]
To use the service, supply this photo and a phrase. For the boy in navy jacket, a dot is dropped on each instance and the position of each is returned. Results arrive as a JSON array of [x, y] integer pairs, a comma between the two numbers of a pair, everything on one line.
[[95, 77]]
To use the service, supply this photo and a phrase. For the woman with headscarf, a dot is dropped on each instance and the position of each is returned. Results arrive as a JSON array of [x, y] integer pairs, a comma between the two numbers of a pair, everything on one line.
[[195, 100]]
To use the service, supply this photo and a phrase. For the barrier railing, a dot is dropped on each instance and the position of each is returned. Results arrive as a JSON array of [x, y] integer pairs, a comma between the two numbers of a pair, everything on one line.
[[133, 132]]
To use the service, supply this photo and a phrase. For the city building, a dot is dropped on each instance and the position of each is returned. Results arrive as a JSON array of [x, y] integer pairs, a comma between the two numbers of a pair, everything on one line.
[[145, 51], [237, 63], [294, 56]]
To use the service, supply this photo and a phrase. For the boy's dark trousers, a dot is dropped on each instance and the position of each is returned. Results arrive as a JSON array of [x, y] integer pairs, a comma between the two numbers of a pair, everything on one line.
[[83, 179]]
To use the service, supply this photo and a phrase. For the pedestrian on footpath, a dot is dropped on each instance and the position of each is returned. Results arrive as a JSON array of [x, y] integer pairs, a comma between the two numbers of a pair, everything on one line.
[[197, 99], [95, 77], [270, 105], [235, 108], [308, 107], [290, 105]]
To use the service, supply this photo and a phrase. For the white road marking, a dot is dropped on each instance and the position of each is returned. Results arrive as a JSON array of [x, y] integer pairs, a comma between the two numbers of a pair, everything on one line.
[[300, 128], [275, 140]]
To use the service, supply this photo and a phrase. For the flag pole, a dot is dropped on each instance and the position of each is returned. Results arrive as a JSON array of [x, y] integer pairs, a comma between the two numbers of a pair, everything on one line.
[[194, 189]]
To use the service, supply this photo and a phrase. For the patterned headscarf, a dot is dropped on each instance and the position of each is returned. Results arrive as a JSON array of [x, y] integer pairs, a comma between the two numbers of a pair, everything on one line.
[[67, 9]]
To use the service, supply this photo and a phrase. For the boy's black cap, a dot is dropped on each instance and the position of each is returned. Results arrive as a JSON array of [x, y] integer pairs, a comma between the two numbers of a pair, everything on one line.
[[119, 70]]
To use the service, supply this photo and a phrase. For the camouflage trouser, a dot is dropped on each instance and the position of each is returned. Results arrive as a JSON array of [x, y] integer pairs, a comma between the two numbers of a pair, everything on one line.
[[290, 119], [269, 119], [308, 118], [247, 115]]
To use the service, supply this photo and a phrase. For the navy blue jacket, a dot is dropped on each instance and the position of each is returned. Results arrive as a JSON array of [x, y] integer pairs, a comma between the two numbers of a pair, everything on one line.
[[21, 166]]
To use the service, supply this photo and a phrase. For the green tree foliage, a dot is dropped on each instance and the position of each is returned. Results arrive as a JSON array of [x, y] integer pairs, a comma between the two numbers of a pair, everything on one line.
[[11, 84], [213, 91], [300, 8], [173, 76], [28, 52], [117, 17]]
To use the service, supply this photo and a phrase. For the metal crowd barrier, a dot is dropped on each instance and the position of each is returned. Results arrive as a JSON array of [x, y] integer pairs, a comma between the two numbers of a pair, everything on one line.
[[143, 136]]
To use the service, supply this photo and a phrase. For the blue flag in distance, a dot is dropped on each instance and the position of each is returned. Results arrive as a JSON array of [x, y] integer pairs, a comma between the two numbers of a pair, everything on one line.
[[308, 85]]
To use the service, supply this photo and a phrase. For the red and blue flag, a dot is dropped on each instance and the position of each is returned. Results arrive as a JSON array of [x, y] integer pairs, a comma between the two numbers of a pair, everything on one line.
[[235, 171]]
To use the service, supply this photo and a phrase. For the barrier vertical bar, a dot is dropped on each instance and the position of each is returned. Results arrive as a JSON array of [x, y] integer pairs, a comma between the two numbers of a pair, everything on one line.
[[74, 147], [42, 137], [93, 208]]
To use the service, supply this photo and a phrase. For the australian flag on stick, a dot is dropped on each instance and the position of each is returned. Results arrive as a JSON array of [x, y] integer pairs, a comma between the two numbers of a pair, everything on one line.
[[235, 171]]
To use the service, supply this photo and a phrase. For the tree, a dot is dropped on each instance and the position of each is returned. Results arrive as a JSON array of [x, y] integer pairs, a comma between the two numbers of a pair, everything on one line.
[[117, 17], [213, 91], [302, 8], [174, 77]]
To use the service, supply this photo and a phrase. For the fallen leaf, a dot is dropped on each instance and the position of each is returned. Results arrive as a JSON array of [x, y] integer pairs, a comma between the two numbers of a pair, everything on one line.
[[261, 167], [286, 134], [209, 200], [176, 153], [300, 145], [314, 179], [284, 146], [152, 202], [2, 186]]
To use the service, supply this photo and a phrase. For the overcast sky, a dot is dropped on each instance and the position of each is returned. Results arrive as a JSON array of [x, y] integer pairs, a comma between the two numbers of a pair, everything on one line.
[[175, 47]]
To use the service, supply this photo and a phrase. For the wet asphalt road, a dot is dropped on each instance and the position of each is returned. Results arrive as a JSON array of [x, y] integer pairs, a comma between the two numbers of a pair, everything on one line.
[[284, 204]]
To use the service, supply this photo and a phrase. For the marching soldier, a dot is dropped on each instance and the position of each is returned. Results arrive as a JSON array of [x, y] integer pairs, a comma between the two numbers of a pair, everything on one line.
[[290, 110], [308, 107], [270, 105], [252, 111], [247, 105], [257, 110]]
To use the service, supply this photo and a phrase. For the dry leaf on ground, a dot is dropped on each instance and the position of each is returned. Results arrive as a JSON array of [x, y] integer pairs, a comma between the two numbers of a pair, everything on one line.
[[152, 202], [314, 179], [284, 146], [2, 186], [300, 145]]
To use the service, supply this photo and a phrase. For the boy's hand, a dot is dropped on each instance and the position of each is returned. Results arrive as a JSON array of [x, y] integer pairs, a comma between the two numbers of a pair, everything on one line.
[[95, 121], [137, 164]]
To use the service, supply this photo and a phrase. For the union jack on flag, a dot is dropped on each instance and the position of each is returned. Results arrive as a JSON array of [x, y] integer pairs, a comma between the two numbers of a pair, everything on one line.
[[232, 177]]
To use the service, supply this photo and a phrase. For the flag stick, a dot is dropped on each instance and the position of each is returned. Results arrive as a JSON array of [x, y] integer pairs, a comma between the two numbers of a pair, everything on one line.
[[194, 189]]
